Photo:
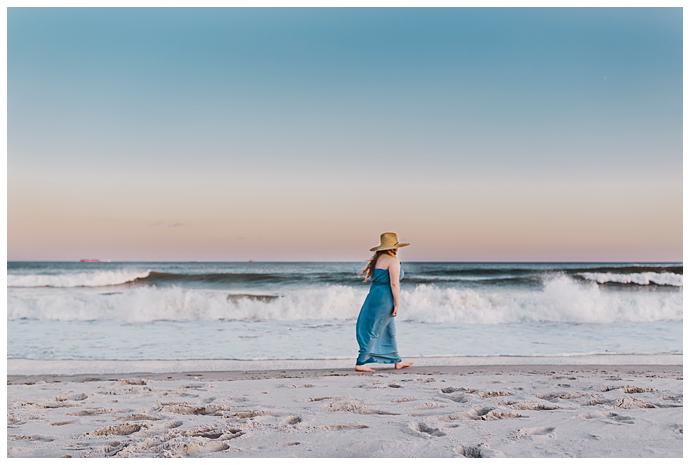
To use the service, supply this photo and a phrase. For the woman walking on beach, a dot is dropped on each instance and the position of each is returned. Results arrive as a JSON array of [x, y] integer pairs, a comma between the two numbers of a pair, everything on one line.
[[375, 324]]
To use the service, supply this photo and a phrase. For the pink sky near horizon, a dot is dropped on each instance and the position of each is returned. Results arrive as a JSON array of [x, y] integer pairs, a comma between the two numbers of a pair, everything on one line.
[[447, 219]]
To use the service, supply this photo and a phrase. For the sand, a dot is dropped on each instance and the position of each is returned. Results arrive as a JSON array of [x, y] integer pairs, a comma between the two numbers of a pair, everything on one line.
[[489, 410]]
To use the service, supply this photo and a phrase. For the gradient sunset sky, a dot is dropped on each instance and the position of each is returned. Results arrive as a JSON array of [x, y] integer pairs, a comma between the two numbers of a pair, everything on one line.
[[301, 134]]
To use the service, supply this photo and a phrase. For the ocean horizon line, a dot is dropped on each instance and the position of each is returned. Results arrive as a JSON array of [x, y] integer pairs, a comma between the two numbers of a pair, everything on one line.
[[348, 261]]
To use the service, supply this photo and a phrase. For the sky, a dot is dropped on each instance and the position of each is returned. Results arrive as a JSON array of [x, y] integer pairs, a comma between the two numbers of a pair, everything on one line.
[[476, 134]]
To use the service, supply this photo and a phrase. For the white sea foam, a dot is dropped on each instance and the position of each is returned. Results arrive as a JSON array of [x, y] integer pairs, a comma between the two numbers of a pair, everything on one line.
[[562, 299], [91, 278], [644, 279]]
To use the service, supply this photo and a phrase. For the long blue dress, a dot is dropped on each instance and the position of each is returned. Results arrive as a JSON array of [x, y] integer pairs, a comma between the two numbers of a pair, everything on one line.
[[376, 324]]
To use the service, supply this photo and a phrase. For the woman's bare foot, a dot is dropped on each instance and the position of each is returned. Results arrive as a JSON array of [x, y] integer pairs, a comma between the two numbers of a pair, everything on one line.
[[364, 368], [401, 365]]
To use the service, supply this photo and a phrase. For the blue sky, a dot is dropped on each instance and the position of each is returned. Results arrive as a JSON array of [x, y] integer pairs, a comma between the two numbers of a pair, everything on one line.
[[241, 121]]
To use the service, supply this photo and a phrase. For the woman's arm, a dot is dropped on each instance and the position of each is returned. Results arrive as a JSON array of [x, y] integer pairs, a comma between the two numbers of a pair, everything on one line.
[[394, 273]]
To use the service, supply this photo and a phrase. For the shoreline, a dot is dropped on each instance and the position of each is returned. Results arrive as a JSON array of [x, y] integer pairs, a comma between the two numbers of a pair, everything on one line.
[[297, 373], [32, 367]]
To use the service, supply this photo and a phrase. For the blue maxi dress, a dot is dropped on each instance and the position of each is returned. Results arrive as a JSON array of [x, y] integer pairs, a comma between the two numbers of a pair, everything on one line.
[[376, 324]]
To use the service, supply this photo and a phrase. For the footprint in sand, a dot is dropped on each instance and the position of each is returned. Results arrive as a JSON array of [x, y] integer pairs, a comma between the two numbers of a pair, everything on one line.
[[196, 387], [616, 419], [477, 412], [78, 446], [631, 402], [485, 394], [133, 382], [196, 450], [13, 421], [595, 400], [58, 404], [108, 393], [114, 448], [425, 431], [62, 423], [537, 431], [296, 386], [250, 414], [533, 406], [430, 405], [75, 397], [355, 406], [491, 413], [90, 412], [556, 396], [32, 438], [451, 389], [637, 389], [481, 450], [124, 429], [186, 409], [140, 417], [592, 416], [210, 432], [459, 398], [342, 427], [472, 452]]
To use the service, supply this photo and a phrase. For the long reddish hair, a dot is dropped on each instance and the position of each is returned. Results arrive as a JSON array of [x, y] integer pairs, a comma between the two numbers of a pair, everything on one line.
[[368, 270]]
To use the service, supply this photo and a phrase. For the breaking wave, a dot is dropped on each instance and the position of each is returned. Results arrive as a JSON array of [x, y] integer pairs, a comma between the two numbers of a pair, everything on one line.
[[83, 279], [630, 275], [561, 298], [641, 279]]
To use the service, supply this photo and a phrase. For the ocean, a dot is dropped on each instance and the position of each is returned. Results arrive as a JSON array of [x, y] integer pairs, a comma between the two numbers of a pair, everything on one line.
[[307, 310]]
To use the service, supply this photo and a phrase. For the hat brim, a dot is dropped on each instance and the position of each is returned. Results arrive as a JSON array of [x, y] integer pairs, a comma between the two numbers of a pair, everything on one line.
[[389, 247]]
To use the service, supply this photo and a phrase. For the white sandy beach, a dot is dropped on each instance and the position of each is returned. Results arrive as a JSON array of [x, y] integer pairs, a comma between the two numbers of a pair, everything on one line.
[[597, 406]]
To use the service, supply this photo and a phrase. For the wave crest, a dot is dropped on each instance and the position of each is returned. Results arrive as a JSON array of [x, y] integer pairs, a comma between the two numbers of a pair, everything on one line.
[[84, 279], [642, 279], [561, 299]]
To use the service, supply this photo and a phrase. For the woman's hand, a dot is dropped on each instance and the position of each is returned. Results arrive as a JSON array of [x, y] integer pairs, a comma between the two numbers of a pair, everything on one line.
[[395, 311]]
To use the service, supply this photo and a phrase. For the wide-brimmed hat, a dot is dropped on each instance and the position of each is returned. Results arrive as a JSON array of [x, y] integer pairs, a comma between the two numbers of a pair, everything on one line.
[[389, 240]]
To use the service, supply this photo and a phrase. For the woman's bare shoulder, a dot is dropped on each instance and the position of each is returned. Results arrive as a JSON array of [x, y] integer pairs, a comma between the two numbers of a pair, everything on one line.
[[385, 261]]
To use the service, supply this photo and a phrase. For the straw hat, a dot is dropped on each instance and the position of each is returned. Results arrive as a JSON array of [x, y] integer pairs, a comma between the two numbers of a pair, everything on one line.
[[389, 240]]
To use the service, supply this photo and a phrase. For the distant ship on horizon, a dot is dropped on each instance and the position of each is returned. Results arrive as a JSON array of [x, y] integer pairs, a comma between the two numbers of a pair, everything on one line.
[[93, 260]]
